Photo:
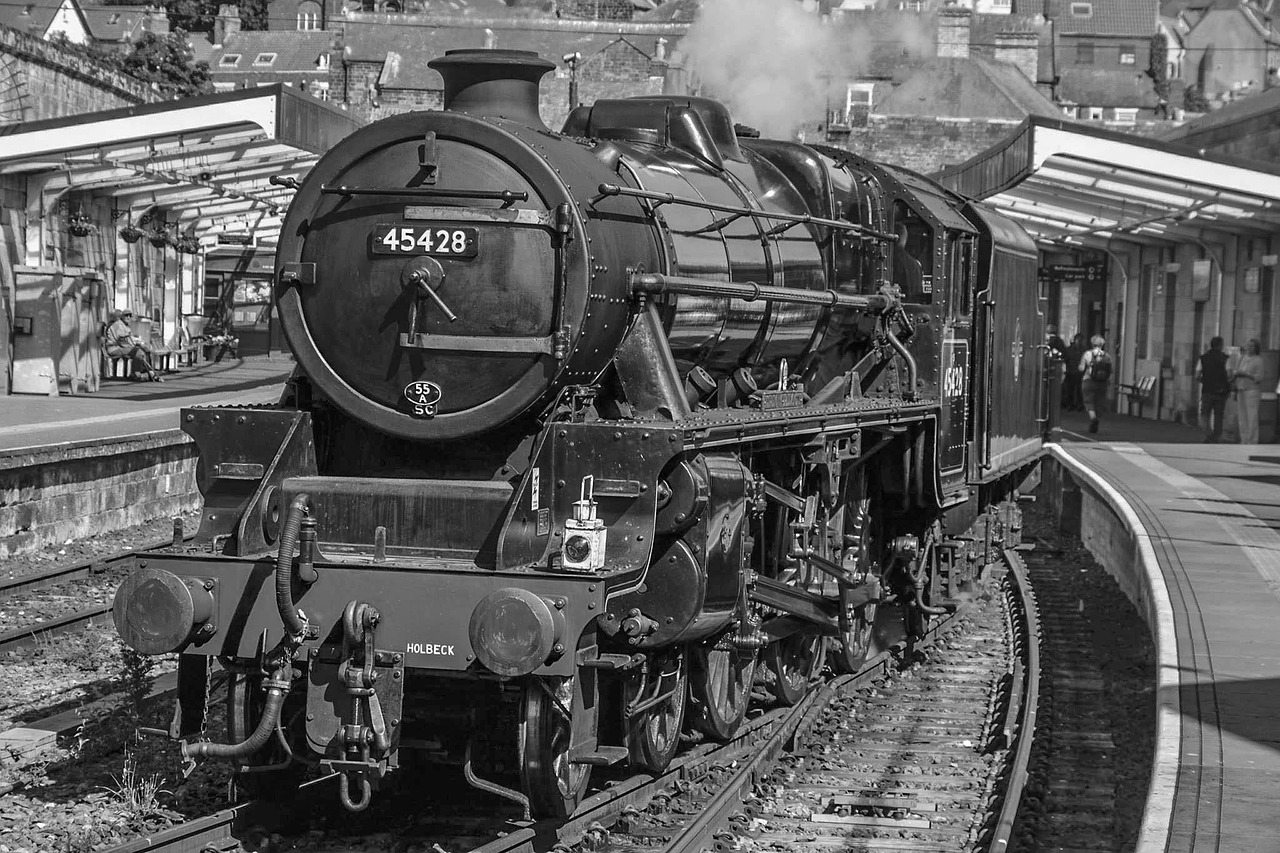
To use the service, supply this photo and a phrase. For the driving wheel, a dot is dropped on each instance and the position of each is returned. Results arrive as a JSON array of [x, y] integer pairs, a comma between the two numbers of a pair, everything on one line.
[[553, 784], [720, 678]]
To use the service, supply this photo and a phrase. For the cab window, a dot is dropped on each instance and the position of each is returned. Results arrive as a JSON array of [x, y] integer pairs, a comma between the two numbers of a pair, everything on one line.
[[912, 254]]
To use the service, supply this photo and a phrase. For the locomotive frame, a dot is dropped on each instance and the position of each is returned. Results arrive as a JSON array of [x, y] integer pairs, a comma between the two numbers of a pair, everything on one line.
[[673, 475]]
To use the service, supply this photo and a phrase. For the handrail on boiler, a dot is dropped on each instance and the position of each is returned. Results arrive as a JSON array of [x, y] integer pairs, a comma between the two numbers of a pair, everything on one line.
[[607, 190]]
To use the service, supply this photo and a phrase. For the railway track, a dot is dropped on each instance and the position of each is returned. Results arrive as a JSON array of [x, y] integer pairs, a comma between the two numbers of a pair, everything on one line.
[[59, 576], [921, 761]]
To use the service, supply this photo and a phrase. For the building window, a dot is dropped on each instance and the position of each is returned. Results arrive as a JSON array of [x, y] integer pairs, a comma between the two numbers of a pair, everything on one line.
[[1082, 10], [228, 60], [1084, 53], [309, 15], [1128, 55], [264, 59], [858, 95]]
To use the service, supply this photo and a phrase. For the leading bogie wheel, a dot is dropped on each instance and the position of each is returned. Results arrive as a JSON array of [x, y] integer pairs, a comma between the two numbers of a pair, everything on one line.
[[553, 784], [273, 772], [653, 734], [720, 678]]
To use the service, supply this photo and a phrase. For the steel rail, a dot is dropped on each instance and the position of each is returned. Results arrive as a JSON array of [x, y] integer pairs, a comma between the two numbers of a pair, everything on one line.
[[697, 835], [56, 575], [215, 831], [1026, 723], [31, 634]]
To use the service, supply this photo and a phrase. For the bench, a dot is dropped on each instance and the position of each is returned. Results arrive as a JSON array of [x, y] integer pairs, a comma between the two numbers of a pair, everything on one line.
[[116, 366], [1140, 392]]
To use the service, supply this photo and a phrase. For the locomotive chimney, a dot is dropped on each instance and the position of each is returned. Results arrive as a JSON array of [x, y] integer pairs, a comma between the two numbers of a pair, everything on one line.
[[499, 83]]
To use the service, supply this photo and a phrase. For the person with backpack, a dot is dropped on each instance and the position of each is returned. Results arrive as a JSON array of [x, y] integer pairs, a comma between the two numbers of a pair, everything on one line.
[[1095, 370], [1215, 388]]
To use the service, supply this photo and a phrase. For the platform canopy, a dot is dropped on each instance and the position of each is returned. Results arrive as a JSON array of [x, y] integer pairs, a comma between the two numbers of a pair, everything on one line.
[[208, 159], [1074, 184]]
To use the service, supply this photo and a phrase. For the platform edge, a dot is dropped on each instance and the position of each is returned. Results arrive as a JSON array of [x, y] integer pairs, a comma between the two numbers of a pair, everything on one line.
[[1157, 814]]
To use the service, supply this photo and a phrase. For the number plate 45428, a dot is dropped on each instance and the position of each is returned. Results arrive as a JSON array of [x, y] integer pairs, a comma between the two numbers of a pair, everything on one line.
[[423, 238]]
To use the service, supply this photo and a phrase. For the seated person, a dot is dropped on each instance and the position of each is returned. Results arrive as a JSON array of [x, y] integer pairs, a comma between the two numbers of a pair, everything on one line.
[[121, 343], [907, 271], [220, 335]]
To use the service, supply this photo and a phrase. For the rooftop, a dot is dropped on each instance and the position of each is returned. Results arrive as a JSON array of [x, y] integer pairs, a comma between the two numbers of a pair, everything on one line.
[[1135, 18], [967, 88]]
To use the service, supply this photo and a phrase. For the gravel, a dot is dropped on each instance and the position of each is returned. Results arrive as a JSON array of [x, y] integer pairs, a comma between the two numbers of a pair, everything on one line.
[[101, 785]]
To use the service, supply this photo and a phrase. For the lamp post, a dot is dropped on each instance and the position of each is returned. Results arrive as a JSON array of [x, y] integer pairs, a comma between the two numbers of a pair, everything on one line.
[[572, 60]]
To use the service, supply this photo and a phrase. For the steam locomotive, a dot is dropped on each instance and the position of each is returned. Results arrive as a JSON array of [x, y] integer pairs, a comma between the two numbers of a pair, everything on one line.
[[591, 431]]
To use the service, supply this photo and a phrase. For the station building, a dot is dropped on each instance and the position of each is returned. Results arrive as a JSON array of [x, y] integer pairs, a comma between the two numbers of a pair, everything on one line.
[[117, 209], [1157, 245]]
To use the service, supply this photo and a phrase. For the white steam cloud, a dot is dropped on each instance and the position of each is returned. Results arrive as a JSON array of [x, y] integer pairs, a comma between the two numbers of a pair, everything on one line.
[[774, 64]]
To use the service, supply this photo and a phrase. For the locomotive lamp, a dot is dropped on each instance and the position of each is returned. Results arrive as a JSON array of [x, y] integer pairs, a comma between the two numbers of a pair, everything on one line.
[[513, 631], [157, 612], [584, 534]]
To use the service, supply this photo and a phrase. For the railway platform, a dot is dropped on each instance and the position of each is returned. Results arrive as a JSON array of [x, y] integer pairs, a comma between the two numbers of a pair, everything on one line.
[[78, 466], [1192, 533], [123, 408]]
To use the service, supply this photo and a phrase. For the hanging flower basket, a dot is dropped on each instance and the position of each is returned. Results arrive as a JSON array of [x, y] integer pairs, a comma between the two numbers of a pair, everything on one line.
[[81, 226], [159, 239], [187, 245], [131, 233]]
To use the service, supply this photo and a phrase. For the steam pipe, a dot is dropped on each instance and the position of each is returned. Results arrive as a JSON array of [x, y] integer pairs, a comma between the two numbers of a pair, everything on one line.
[[910, 393], [294, 622], [277, 689]]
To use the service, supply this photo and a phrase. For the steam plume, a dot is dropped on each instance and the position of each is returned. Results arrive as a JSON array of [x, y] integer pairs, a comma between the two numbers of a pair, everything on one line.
[[769, 60]]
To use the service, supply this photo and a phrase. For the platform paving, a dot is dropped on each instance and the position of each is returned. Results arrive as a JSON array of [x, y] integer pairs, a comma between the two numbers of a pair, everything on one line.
[[1212, 512], [124, 408]]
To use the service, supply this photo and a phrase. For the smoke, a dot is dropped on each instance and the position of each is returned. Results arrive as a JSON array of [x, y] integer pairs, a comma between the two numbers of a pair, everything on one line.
[[774, 64]]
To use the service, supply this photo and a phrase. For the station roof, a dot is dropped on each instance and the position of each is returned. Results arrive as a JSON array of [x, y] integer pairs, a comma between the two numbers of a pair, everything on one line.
[[1075, 184], [207, 159]]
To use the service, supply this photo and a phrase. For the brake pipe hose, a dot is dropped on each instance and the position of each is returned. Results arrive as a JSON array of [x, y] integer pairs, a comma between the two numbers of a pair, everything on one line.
[[277, 688], [295, 623]]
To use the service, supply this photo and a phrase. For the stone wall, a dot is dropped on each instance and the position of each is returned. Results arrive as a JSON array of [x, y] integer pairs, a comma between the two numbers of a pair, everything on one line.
[[50, 495], [1087, 513], [40, 79]]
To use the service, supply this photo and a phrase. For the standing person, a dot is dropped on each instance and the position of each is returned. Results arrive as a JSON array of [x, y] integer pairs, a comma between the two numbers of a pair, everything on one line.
[[1248, 390], [1095, 372], [1215, 388], [121, 343], [1073, 399], [1054, 341]]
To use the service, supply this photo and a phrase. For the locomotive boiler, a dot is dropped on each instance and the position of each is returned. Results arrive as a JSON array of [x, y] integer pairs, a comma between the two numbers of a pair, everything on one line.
[[591, 431]]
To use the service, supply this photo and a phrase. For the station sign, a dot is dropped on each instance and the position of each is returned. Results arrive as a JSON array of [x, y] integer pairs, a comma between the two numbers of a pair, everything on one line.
[[235, 240], [1092, 271]]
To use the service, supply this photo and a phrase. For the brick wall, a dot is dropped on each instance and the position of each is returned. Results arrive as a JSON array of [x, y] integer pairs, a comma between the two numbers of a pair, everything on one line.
[[52, 495], [925, 144], [621, 70], [39, 80]]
